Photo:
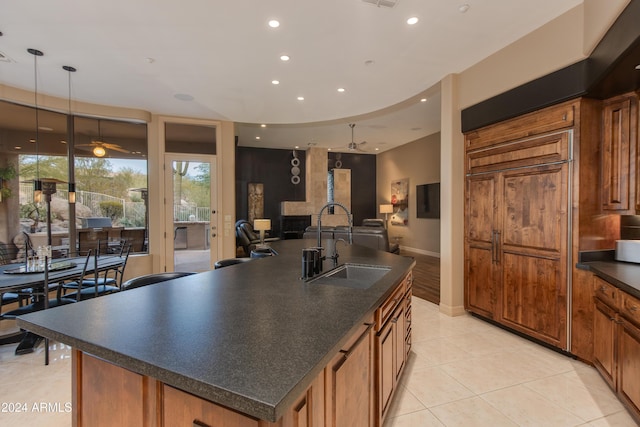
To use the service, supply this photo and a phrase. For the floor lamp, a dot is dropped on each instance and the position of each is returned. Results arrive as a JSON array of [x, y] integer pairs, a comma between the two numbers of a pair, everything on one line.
[[386, 210]]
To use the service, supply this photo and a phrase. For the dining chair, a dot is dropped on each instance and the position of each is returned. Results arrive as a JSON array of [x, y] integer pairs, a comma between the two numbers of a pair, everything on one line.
[[107, 280], [40, 301], [89, 288]]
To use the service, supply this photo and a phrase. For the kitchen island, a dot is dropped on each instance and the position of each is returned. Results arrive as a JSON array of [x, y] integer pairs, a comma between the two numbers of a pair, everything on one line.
[[250, 340]]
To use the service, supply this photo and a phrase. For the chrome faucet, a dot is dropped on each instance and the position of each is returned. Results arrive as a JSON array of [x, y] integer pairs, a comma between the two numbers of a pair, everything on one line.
[[349, 218], [335, 255]]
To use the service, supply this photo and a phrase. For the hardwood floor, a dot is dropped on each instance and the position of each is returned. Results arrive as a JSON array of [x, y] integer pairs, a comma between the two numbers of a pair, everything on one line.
[[426, 276]]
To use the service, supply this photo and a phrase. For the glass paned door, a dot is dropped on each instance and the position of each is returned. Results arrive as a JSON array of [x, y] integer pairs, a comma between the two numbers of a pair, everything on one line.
[[191, 231]]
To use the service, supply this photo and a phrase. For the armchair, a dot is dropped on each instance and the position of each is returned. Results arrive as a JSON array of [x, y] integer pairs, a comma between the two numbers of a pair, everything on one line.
[[247, 237]]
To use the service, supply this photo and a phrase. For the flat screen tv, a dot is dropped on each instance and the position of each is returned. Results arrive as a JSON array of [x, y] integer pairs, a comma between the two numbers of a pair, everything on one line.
[[428, 200]]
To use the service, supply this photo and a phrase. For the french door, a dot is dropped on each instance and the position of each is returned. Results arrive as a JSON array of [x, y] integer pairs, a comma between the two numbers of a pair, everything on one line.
[[190, 212]]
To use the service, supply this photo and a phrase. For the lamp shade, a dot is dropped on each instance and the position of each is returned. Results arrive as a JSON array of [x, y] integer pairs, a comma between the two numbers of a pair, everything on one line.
[[262, 224], [386, 209]]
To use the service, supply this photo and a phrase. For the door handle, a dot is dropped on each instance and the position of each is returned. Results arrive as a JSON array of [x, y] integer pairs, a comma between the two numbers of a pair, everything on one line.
[[493, 246], [497, 250]]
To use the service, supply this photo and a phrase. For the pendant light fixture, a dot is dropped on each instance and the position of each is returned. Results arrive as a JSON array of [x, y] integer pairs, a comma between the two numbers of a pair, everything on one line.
[[37, 184], [99, 150], [72, 184]]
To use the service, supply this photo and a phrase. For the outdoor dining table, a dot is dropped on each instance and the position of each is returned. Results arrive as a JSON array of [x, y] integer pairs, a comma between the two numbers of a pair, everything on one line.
[[16, 277]]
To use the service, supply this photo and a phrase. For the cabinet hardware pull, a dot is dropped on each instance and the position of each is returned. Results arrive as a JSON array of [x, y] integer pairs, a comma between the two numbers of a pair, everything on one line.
[[498, 233], [198, 423], [603, 289], [360, 338], [633, 308], [493, 246]]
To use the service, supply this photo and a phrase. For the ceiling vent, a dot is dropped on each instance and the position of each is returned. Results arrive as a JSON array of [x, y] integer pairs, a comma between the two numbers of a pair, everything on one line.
[[382, 3], [5, 58]]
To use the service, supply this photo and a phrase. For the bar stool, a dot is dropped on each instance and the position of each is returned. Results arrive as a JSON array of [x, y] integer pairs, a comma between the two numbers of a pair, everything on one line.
[[229, 261]]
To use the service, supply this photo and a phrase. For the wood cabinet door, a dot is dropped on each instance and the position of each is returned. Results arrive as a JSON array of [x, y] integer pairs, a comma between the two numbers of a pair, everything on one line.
[[481, 280], [532, 251], [619, 157], [604, 342], [399, 358], [350, 385], [629, 366], [385, 345]]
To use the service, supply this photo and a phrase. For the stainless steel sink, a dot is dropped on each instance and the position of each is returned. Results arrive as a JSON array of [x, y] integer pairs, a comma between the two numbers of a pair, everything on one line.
[[356, 276]]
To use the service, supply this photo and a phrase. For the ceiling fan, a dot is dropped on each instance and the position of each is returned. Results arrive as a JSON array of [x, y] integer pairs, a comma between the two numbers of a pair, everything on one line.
[[100, 147], [354, 146]]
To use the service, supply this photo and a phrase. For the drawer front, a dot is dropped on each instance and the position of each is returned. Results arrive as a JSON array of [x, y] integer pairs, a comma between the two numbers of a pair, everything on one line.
[[630, 308], [606, 292], [386, 309]]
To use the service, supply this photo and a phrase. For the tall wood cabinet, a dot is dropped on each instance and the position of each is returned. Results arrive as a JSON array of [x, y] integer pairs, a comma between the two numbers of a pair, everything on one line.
[[620, 186], [517, 223]]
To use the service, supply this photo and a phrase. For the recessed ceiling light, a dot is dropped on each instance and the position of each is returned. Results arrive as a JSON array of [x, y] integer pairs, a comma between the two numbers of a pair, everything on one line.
[[340, 89], [263, 125], [377, 149], [275, 82], [17, 147], [285, 57], [257, 137], [301, 98], [45, 128], [274, 24], [413, 20], [33, 141], [463, 8], [638, 67], [296, 147], [62, 141], [328, 149], [423, 100], [183, 97]]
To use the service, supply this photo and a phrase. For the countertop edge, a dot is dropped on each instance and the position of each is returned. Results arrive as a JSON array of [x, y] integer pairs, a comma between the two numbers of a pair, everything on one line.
[[603, 269]]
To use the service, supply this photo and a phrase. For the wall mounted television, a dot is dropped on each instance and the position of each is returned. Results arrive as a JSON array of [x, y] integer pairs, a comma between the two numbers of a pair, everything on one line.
[[428, 200]]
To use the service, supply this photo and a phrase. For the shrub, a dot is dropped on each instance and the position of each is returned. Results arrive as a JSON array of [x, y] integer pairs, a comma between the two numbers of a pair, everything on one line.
[[111, 209]]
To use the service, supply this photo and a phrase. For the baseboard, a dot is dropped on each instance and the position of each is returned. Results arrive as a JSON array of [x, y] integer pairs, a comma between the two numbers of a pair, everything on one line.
[[452, 311], [420, 251]]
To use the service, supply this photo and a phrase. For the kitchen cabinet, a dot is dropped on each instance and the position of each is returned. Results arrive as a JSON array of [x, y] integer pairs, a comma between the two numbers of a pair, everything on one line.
[[616, 337], [517, 232], [620, 155], [393, 343], [349, 380]]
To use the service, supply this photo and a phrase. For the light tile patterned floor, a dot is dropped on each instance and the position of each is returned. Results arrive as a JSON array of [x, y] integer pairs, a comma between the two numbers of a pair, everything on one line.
[[462, 372]]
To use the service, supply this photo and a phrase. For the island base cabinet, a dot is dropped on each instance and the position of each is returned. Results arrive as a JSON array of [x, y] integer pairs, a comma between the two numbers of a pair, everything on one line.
[[629, 367]]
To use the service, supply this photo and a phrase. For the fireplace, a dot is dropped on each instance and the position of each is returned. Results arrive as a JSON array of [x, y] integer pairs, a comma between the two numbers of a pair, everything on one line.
[[293, 226]]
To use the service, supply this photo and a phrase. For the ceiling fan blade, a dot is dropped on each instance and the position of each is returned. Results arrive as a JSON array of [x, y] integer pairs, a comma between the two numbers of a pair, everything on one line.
[[116, 148]]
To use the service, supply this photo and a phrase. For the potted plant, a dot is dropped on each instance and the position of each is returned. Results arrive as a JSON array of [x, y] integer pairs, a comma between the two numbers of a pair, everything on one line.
[[6, 174]]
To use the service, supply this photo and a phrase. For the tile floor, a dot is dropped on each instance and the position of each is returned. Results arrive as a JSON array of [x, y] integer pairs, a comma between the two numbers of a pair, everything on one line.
[[461, 372]]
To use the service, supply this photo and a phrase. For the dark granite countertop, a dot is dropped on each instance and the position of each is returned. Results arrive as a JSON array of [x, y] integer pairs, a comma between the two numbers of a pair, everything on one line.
[[623, 275], [251, 337]]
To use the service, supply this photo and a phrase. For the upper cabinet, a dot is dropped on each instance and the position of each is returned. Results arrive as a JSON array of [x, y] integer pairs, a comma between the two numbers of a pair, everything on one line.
[[620, 184]]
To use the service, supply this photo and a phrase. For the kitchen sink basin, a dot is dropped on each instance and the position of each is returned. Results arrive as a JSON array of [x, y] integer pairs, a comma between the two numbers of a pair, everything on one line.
[[356, 276]]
